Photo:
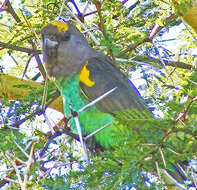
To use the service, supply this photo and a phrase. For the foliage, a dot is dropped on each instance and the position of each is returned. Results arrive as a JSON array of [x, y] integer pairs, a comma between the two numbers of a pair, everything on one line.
[[124, 165], [151, 143]]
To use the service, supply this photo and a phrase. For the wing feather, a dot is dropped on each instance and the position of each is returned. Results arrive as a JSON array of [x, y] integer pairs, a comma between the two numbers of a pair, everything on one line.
[[105, 77]]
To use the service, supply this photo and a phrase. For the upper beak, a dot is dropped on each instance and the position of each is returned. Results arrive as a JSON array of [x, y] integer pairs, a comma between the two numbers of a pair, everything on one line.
[[49, 43], [49, 46]]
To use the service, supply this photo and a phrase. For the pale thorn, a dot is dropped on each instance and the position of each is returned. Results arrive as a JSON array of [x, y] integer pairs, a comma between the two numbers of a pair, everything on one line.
[[96, 100]]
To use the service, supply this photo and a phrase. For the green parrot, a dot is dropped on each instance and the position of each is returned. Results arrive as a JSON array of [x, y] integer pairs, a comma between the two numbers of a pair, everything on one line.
[[82, 74]]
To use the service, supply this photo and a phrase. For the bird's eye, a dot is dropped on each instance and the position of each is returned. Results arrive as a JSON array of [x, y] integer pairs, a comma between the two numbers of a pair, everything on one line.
[[52, 37], [66, 36]]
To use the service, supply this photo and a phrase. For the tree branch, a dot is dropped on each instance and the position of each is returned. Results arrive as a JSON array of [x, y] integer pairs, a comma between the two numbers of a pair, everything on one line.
[[7, 7], [132, 46], [182, 115], [101, 25], [155, 30], [155, 61], [22, 49]]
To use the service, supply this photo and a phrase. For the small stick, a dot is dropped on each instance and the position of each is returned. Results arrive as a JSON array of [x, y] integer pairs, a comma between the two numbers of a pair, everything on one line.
[[98, 130], [61, 9], [163, 158], [83, 26], [158, 170], [81, 138], [20, 181], [29, 164], [9, 179], [21, 149], [44, 97], [172, 180], [49, 124], [96, 100]]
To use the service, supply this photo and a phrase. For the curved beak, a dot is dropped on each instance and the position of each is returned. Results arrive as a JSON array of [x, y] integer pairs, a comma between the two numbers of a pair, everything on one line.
[[49, 46], [49, 43]]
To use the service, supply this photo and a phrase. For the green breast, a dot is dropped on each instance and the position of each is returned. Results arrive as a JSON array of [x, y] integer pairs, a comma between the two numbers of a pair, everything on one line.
[[90, 119]]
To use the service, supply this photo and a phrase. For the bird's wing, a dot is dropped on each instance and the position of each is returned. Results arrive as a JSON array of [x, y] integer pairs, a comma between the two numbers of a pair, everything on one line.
[[98, 76]]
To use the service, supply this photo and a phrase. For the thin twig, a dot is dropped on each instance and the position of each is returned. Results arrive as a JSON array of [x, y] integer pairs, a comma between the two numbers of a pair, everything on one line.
[[48, 143], [83, 26], [172, 180], [44, 97], [29, 163], [16, 170], [11, 169], [132, 46], [182, 115], [33, 139], [188, 29], [21, 149], [30, 27], [158, 170], [169, 149], [39, 62], [96, 100], [193, 82], [26, 66], [6, 6], [90, 13], [9, 53], [61, 9], [163, 158], [3, 24], [20, 161], [149, 144], [9, 179], [194, 177], [22, 49], [26, 118], [156, 28], [155, 62], [86, 7], [98, 8], [81, 138], [164, 65], [149, 37], [98, 130], [48, 123], [101, 25]]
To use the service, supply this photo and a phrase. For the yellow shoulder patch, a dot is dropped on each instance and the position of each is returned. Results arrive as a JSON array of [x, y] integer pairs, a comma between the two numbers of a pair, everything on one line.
[[62, 26], [84, 76]]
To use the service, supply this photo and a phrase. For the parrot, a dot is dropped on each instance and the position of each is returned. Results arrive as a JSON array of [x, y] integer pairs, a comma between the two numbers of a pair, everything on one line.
[[82, 74]]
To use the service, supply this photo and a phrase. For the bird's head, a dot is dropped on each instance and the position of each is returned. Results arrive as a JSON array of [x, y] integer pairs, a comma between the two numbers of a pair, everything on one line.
[[65, 49]]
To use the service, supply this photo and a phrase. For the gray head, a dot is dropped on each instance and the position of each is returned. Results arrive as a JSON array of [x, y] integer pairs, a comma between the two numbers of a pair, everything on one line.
[[65, 49]]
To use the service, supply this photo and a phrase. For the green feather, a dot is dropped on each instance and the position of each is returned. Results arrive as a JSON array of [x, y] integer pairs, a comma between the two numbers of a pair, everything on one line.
[[90, 119]]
